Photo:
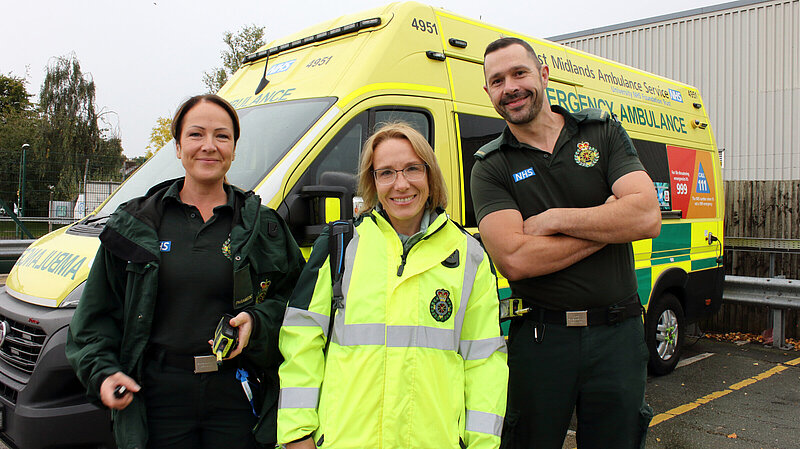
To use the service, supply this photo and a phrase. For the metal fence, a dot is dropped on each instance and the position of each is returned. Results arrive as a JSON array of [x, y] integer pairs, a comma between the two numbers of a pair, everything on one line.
[[757, 304], [30, 187], [58, 212]]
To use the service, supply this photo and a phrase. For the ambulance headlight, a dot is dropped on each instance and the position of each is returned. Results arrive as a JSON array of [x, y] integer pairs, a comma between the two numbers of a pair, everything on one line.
[[74, 297]]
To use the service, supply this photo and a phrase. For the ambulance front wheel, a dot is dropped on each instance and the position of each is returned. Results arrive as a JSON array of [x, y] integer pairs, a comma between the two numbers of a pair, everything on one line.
[[665, 327]]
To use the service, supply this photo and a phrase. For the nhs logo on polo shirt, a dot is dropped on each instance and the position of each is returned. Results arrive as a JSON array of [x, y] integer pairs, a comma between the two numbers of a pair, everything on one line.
[[165, 245], [524, 174]]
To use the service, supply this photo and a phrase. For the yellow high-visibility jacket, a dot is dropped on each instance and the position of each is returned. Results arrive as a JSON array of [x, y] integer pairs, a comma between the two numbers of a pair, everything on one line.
[[416, 358]]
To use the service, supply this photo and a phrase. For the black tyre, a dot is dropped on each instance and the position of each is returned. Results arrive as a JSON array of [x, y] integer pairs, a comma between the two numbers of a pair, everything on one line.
[[665, 329]]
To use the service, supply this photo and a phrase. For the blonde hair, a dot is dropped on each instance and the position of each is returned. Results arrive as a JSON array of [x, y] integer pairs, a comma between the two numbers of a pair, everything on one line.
[[437, 190]]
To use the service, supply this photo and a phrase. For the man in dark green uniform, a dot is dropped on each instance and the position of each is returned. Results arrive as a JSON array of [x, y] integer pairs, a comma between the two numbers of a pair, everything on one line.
[[558, 198]]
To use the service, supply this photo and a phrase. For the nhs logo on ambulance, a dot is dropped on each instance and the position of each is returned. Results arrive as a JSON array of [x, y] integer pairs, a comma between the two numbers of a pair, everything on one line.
[[524, 174], [282, 67], [702, 182], [675, 96]]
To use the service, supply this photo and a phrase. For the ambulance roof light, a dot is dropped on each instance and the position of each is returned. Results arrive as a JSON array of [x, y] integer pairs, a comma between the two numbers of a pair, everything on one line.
[[334, 32]]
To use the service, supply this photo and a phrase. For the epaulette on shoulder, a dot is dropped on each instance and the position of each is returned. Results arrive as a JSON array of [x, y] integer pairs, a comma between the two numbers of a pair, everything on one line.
[[488, 148], [592, 115]]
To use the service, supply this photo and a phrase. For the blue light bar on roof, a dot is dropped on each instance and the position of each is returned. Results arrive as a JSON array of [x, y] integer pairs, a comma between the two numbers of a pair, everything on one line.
[[335, 32]]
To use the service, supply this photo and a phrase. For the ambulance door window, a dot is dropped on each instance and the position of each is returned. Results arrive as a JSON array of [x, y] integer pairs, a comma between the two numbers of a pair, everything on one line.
[[341, 153], [654, 159], [475, 131], [415, 118], [335, 166]]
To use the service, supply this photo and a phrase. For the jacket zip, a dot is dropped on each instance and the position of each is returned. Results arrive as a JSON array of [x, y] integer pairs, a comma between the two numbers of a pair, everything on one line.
[[405, 253]]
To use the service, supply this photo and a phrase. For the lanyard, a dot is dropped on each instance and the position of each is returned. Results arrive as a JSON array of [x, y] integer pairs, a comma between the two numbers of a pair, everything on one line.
[[241, 376]]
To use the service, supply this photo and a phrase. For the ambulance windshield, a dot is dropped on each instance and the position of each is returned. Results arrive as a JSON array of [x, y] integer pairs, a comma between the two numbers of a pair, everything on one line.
[[268, 132]]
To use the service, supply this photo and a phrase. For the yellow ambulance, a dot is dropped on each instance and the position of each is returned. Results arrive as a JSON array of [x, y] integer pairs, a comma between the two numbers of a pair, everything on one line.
[[307, 103]]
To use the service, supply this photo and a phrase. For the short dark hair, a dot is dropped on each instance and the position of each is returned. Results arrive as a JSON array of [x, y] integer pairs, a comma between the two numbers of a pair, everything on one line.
[[177, 119], [504, 42]]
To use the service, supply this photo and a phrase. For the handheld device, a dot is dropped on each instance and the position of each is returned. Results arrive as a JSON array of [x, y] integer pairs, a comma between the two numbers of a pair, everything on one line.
[[120, 391], [511, 308], [226, 337]]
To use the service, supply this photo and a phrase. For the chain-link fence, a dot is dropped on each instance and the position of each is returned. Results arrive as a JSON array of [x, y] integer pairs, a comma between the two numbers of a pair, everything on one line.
[[48, 196]]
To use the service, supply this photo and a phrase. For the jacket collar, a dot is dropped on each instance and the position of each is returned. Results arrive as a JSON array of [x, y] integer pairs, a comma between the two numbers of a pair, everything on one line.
[[132, 231], [383, 222]]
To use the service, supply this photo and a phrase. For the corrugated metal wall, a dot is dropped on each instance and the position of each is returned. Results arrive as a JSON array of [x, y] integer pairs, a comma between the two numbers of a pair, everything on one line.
[[744, 57]]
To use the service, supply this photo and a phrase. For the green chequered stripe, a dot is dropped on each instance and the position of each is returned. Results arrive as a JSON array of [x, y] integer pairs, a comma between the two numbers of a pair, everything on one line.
[[673, 244], [674, 240], [702, 264], [504, 293]]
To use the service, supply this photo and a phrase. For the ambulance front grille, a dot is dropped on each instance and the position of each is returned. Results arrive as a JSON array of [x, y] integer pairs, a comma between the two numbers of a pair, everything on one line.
[[22, 344]]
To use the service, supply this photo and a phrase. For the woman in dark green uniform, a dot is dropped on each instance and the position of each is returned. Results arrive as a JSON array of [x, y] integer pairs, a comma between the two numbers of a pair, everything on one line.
[[170, 265]]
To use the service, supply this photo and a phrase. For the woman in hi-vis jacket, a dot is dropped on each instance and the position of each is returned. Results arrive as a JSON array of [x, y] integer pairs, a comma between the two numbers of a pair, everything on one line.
[[416, 358]]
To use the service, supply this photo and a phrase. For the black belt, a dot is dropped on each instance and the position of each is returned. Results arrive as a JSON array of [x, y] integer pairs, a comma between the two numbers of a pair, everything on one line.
[[197, 364], [591, 317]]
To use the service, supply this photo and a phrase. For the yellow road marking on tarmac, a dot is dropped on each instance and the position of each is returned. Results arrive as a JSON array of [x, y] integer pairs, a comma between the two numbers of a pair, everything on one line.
[[669, 414], [794, 362]]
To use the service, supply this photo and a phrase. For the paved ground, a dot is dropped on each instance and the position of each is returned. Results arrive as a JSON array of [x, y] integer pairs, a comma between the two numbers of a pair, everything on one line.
[[722, 395], [725, 395]]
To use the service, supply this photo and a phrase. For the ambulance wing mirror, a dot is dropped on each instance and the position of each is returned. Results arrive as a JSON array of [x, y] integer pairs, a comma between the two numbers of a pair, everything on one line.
[[316, 205]]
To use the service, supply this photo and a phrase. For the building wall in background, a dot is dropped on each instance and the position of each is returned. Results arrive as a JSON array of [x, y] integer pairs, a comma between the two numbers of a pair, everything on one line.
[[744, 56]]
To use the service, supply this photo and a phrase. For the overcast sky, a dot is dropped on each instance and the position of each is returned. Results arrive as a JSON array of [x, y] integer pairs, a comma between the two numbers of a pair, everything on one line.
[[147, 56]]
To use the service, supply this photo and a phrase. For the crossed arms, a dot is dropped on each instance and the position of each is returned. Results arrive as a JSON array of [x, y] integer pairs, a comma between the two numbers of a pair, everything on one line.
[[560, 237]]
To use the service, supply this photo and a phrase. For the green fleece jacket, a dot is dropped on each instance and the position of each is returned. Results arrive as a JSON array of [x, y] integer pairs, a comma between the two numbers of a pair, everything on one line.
[[111, 326]]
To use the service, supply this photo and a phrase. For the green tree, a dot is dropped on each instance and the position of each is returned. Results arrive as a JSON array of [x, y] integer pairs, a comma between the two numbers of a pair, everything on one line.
[[19, 124], [70, 135], [13, 94], [160, 135], [247, 40]]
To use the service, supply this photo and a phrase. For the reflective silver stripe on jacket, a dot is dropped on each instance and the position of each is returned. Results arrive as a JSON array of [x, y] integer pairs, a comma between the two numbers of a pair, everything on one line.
[[298, 397], [473, 260], [405, 336], [358, 334], [305, 318], [419, 337], [484, 423], [481, 349], [364, 333]]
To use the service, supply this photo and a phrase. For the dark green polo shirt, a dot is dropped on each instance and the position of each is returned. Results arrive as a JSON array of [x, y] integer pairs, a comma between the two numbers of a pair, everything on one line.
[[591, 153], [195, 277]]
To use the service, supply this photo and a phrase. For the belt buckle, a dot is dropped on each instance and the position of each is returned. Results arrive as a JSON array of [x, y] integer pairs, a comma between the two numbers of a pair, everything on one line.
[[205, 364], [577, 318]]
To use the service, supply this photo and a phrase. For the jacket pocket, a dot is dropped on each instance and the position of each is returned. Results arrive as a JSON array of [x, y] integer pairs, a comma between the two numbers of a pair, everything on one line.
[[130, 425]]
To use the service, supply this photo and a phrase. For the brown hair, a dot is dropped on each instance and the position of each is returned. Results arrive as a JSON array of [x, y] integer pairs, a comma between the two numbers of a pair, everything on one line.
[[183, 109], [504, 42], [437, 196]]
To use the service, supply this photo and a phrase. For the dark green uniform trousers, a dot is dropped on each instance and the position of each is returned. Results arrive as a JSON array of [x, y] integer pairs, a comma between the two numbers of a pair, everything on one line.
[[600, 371], [191, 411]]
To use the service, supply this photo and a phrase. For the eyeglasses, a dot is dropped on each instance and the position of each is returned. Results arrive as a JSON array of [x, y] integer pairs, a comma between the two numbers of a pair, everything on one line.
[[386, 176]]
